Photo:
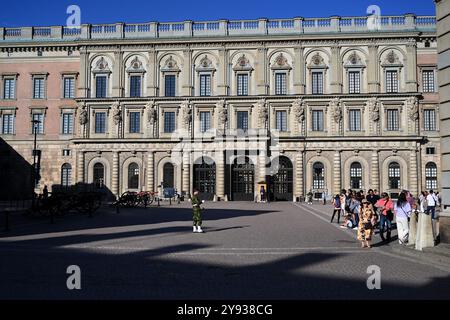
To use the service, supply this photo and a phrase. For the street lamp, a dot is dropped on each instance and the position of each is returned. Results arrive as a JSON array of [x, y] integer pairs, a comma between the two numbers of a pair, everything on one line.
[[34, 177]]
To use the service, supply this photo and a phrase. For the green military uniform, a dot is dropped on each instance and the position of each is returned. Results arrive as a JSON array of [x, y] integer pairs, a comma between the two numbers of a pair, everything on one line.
[[197, 211]]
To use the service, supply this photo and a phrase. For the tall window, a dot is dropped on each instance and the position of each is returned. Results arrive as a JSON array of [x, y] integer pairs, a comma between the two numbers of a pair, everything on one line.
[[242, 84], [133, 176], [318, 176], [38, 88], [317, 83], [354, 82], [67, 123], [430, 176], [169, 122], [280, 84], [135, 86], [428, 81], [356, 175], [317, 120], [205, 121], [100, 122], [9, 89], [429, 120], [392, 81], [169, 85], [205, 85], [99, 175], [135, 122], [281, 120], [101, 86], [8, 124], [69, 88], [66, 175], [354, 120], [393, 120], [40, 126], [242, 120], [394, 175]]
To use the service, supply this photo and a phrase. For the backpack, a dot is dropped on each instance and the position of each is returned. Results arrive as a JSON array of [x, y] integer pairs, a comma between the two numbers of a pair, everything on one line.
[[337, 203]]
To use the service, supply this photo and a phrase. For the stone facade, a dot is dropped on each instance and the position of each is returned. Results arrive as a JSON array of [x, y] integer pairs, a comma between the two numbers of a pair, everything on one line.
[[319, 114]]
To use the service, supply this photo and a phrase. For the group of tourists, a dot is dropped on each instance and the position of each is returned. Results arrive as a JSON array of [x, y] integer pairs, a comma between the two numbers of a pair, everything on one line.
[[366, 212]]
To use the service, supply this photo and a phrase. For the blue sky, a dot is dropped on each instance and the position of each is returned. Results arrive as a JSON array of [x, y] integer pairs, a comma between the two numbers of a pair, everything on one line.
[[51, 12]]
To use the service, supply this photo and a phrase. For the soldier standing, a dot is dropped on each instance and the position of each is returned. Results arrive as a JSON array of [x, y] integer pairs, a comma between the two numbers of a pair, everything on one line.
[[197, 213]]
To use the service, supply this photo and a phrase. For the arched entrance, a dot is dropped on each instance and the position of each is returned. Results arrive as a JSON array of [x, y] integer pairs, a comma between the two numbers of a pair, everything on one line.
[[243, 180], [282, 181], [168, 175], [205, 178]]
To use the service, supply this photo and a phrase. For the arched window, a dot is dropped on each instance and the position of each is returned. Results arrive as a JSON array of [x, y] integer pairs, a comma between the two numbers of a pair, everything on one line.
[[66, 175], [356, 175], [168, 175], [318, 175], [431, 176], [99, 175], [133, 176], [394, 175]]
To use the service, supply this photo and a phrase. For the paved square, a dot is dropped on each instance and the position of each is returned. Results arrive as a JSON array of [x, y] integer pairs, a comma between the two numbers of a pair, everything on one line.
[[249, 251]]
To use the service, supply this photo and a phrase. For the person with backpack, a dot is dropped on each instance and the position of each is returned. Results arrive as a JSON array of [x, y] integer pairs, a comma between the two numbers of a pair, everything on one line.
[[385, 207], [403, 212], [432, 203], [336, 208]]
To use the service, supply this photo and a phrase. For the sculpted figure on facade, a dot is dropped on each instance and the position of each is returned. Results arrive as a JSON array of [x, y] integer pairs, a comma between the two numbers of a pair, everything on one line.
[[151, 111], [336, 110], [186, 113], [298, 108], [83, 118], [222, 111], [117, 113], [262, 112], [374, 109], [412, 106]]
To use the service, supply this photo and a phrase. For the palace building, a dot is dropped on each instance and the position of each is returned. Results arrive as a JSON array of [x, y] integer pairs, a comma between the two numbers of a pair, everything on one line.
[[302, 104]]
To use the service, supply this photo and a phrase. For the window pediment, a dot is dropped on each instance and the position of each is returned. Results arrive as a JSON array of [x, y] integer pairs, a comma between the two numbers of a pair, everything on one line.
[[170, 65], [136, 66], [392, 60], [243, 64], [101, 66], [354, 61], [205, 64], [280, 63], [317, 62]]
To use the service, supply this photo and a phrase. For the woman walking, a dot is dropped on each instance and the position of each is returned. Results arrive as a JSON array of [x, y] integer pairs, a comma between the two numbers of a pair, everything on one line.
[[403, 212], [336, 208], [367, 221]]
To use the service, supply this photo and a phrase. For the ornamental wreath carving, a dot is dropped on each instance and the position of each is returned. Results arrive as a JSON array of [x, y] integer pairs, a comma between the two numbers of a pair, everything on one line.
[[373, 106], [117, 113], [222, 111], [412, 105], [336, 110], [298, 108]]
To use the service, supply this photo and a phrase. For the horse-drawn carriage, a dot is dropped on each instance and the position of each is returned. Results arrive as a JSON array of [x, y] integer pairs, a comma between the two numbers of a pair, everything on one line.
[[132, 199]]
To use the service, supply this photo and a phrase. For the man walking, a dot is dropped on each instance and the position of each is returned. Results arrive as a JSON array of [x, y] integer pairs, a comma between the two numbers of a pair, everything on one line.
[[197, 213], [432, 203]]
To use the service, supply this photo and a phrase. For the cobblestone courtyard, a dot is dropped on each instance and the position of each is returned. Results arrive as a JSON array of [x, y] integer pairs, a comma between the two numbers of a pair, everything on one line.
[[249, 251]]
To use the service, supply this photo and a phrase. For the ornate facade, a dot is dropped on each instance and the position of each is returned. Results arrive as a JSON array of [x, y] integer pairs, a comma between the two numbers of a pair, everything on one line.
[[301, 104]]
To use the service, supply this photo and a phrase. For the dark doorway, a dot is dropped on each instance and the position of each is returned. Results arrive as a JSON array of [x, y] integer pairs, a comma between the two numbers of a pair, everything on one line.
[[168, 176], [243, 180], [282, 181], [205, 178]]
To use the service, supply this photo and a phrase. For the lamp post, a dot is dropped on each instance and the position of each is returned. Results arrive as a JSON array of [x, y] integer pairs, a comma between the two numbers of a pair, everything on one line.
[[34, 176]]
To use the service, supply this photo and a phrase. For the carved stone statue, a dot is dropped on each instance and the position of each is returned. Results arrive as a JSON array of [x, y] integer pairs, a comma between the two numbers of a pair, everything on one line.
[[374, 109], [412, 105], [151, 111], [262, 111], [336, 110], [298, 108], [222, 112], [117, 113], [83, 115], [186, 113]]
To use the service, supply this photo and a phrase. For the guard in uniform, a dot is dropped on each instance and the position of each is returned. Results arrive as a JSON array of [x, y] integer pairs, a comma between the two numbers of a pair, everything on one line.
[[197, 213]]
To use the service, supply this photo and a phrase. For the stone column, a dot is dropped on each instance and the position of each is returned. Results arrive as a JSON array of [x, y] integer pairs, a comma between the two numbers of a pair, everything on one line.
[[336, 73], [80, 167], [115, 174], [83, 87], [412, 185], [152, 74], [262, 166], [299, 183], [186, 172], [374, 182], [222, 86], [373, 72], [150, 171], [187, 73], [117, 83], [220, 175], [411, 66], [299, 66], [261, 72], [336, 172]]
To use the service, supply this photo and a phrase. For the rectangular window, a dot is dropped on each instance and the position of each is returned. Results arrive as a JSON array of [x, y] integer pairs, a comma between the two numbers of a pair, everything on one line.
[[393, 120], [169, 85], [317, 120], [391, 81], [205, 85], [205, 121], [100, 122], [67, 123], [169, 122], [280, 84], [354, 82], [39, 127], [281, 120], [66, 152], [317, 83], [354, 120], [9, 89], [242, 84], [431, 150], [428, 81], [8, 124], [101, 86], [242, 120], [69, 88], [429, 119], [135, 122], [135, 86], [38, 88]]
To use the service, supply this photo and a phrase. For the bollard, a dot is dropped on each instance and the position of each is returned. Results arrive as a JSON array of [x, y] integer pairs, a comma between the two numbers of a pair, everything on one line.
[[170, 201], [413, 230], [6, 221], [158, 203]]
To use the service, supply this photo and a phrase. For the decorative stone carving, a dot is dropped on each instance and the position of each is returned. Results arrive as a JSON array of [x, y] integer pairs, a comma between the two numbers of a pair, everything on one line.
[[186, 113], [317, 60], [262, 112], [373, 106], [117, 113], [412, 105], [83, 118], [170, 65], [205, 62], [136, 64], [102, 64], [281, 62], [392, 59], [222, 112], [243, 64], [298, 108], [151, 111], [336, 110]]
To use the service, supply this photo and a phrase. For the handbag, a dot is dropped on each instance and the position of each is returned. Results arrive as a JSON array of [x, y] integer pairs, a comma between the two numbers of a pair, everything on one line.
[[389, 213]]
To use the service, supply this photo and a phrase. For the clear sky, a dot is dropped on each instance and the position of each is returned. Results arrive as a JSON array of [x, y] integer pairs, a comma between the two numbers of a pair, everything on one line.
[[53, 12]]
